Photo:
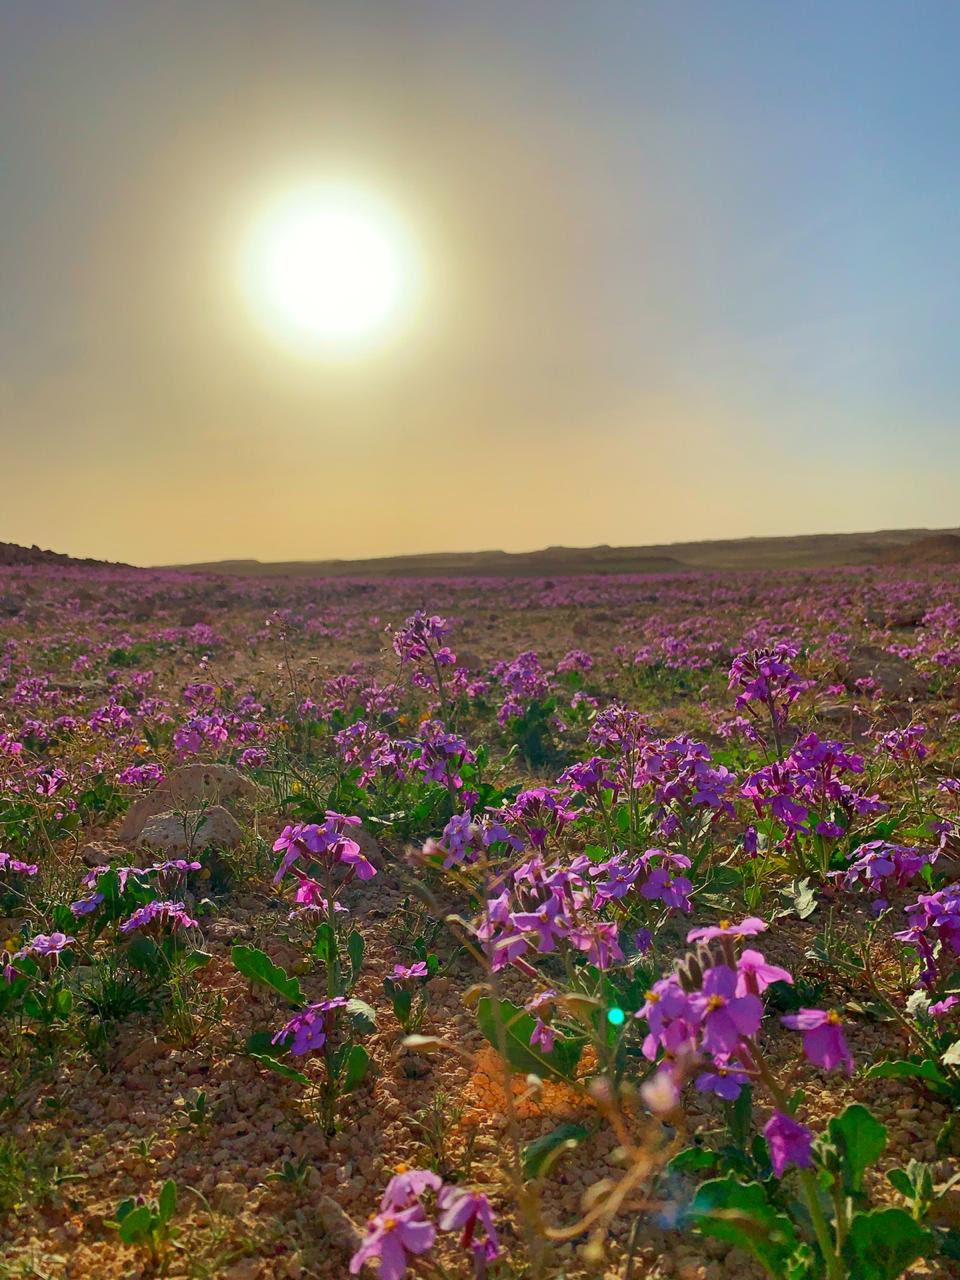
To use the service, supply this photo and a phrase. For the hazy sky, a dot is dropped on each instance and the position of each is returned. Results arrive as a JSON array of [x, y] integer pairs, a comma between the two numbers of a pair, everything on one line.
[[688, 270]]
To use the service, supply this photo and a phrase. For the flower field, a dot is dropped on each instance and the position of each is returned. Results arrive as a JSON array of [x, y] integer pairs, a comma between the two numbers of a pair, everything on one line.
[[456, 928]]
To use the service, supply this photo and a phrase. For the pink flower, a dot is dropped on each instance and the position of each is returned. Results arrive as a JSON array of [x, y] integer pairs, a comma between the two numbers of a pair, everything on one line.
[[406, 1188], [754, 975], [390, 1236], [748, 928], [468, 1209]]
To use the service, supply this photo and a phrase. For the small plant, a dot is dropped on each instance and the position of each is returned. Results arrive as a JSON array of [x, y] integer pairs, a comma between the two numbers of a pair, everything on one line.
[[147, 1222], [294, 1174], [436, 1123], [196, 1112], [406, 988]]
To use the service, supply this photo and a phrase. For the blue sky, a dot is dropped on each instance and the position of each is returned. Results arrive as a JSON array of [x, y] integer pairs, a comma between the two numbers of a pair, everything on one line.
[[691, 272]]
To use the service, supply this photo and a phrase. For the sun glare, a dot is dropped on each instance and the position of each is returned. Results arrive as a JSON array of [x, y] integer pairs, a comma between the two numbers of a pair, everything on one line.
[[329, 265]]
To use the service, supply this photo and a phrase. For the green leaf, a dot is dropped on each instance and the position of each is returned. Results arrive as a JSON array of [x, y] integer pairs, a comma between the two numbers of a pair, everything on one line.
[[901, 1068], [280, 1068], [135, 1226], [882, 1244], [324, 943], [167, 1200], [196, 960], [63, 1003], [258, 967], [559, 1064], [898, 1178], [739, 1117], [362, 1015], [741, 1214], [402, 1001], [358, 1060], [860, 1140], [803, 898], [355, 952], [693, 1160], [124, 1207], [537, 1154], [143, 953]]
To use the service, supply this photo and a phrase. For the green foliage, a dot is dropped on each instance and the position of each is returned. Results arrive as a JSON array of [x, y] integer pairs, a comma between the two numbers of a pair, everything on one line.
[[148, 1223], [532, 733], [540, 1155], [258, 967], [741, 1214], [882, 1243], [926, 1070], [859, 1140], [507, 1027], [262, 1050]]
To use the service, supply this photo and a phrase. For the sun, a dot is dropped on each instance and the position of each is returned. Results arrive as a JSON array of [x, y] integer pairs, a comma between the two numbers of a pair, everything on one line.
[[330, 265]]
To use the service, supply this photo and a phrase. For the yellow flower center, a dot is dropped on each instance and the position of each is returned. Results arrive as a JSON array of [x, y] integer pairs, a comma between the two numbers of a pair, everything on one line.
[[834, 1018], [652, 997], [389, 1224], [715, 1002], [402, 1167], [724, 924]]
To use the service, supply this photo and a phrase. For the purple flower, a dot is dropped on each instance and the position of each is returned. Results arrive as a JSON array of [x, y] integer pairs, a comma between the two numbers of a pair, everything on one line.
[[86, 906], [599, 943], [9, 863], [546, 922], [823, 1040], [327, 843], [390, 1236], [789, 1143], [725, 1082], [543, 1036], [173, 914], [460, 1208], [727, 1017], [307, 1029], [45, 944], [401, 973]]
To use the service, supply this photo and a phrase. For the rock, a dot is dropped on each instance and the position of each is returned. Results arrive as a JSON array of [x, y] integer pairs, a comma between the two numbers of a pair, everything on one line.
[[368, 846], [177, 834], [98, 854], [187, 788], [226, 931], [293, 1267], [230, 1197], [343, 1231], [245, 1269]]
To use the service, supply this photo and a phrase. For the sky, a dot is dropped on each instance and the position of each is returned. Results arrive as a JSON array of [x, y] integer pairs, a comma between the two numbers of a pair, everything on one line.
[[681, 269]]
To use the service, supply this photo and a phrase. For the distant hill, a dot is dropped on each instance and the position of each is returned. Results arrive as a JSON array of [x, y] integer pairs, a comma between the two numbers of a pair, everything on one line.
[[12, 554], [804, 551], [938, 548]]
